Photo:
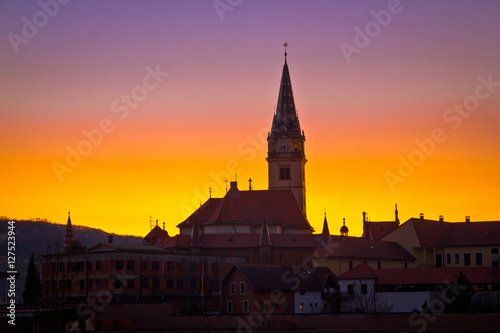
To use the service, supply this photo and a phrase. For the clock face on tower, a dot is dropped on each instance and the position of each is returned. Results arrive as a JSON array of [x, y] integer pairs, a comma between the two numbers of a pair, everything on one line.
[[284, 145]]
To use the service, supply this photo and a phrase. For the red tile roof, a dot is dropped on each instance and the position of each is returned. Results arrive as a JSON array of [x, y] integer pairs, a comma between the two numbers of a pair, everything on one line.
[[436, 234], [380, 229], [272, 277], [279, 206], [473, 233], [362, 271], [434, 275], [352, 247]]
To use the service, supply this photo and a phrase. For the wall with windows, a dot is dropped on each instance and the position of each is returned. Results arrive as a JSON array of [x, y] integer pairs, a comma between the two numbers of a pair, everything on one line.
[[310, 302], [471, 256], [341, 265]]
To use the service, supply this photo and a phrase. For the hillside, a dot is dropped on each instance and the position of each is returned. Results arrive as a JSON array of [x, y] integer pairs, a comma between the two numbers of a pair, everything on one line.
[[36, 236]]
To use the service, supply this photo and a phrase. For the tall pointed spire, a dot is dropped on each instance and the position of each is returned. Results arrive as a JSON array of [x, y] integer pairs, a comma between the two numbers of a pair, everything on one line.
[[285, 121], [325, 234], [195, 235], [68, 237], [265, 238]]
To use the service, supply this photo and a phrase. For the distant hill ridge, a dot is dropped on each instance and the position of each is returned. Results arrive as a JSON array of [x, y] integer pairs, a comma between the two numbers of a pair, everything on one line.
[[37, 234]]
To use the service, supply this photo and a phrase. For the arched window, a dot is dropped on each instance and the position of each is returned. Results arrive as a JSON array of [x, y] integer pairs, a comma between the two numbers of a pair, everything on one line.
[[287, 175], [282, 173]]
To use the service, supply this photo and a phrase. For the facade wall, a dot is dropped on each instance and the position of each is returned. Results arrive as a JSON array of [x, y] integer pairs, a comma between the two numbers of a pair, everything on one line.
[[487, 258], [405, 301], [361, 300], [341, 265], [258, 301], [310, 302], [406, 236]]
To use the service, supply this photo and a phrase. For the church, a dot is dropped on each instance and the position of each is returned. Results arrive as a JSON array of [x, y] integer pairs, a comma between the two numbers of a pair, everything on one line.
[[268, 226]]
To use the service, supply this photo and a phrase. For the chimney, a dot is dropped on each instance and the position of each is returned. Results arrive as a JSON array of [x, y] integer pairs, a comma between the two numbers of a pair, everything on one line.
[[467, 219], [441, 218], [249, 184], [234, 185], [364, 216], [421, 216], [110, 239]]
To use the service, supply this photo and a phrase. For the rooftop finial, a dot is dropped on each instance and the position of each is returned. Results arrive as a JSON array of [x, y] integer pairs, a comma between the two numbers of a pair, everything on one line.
[[285, 45]]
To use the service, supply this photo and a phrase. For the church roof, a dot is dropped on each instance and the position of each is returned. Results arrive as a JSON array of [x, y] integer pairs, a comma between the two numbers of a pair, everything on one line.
[[285, 121], [279, 206]]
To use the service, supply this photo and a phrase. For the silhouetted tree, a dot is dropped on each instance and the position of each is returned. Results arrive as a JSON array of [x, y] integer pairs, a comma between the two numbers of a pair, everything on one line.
[[462, 302], [75, 247], [33, 286]]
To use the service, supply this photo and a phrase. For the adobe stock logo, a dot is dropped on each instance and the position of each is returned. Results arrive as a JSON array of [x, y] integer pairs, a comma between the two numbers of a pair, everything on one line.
[[454, 117], [30, 28]]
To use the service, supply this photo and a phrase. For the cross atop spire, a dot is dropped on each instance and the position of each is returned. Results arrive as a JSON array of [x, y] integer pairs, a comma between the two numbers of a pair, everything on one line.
[[285, 120]]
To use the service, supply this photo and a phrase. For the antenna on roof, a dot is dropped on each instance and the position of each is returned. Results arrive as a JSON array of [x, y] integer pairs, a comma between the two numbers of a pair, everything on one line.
[[249, 184], [210, 192], [235, 176], [225, 181]]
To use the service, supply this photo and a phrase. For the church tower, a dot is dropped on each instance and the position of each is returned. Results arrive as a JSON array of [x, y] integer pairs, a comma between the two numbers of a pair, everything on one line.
[[286, 158]]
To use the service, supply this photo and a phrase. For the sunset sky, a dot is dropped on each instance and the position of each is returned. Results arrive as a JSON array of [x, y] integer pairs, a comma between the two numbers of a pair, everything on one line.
[[186, 130]]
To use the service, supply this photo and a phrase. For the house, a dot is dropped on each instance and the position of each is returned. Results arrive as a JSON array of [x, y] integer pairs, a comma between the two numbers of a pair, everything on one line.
[[272, 289]]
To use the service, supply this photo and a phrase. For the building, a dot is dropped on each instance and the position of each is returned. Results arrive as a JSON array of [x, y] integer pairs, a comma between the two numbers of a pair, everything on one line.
[[446, 244], [272, 289], [136, 273], [407, 290]]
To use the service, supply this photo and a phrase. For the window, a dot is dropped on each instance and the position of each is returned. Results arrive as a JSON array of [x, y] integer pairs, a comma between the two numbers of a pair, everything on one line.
[[479, 259], [287, 306], [180, 284], [282, 173], [232, 288], [156, 283], [405, 264], [242, 288], [457, 258], [439, 260], [494, 250], [82, 284], [245, 306], [351, 264], [261, 306], [193, 283], [364, 289], [229, 307], [467, 259], [215, 268], [119, 265], [145, 283], [170, 266], [170, 284], [287, 173], [97, 283], [448, 258], [379, 264], [130, 265], [131, 284], [301, 306], [350, 289], [302, 292], [89, 266], [156, 265], [144, 265], [495, 263]]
